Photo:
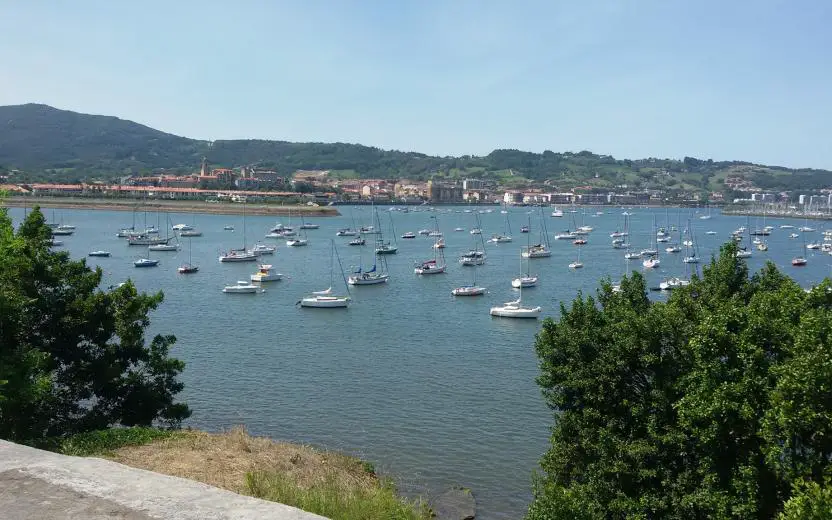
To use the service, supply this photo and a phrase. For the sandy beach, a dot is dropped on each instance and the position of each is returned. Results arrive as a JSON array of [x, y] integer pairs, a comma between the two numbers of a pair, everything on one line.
[[173, 206]]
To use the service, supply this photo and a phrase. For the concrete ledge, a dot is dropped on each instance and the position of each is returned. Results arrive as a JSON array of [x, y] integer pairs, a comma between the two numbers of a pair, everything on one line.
[[44, 485]]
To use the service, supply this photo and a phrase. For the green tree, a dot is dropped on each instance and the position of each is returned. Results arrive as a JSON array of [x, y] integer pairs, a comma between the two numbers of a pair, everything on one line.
[[711, 405], [74, 356]]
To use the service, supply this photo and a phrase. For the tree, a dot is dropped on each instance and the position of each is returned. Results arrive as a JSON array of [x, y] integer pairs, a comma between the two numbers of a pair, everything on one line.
[[74, 356], [714, 404]]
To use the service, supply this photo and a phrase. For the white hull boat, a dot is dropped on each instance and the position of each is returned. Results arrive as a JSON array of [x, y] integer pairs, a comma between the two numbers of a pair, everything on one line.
[[515, 309], [346, 232], [163, 247], [241, 287], [430, 267], [468, 290], [651, 263], [367, 278], [264, 274], [238, 256], [524, 282], [325, 300], [297, 242], [190, 233], [500, 239], [262, 249], [673, 283]]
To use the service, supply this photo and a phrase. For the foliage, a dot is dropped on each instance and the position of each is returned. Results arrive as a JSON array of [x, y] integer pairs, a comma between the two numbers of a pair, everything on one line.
[[809, 501], [52, 144], [329, 498], [104, 442], [711, 405], [74, 356]]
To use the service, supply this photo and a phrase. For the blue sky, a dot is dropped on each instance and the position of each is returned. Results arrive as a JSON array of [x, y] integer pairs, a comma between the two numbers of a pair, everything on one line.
[[749, 80]]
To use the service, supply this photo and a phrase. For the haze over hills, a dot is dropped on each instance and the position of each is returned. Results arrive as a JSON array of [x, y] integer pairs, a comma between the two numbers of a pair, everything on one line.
[[51, 144]]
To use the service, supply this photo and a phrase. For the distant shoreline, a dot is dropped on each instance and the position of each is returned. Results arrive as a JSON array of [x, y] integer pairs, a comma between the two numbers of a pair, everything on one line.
[[173, 206], [775, 214]]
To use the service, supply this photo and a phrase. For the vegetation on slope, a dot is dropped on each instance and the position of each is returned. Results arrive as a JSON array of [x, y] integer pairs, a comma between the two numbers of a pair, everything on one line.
[[326, 483], [715, 404], [48, 143]]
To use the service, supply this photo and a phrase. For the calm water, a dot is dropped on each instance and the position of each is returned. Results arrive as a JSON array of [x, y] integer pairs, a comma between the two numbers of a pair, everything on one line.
[[430, 388]]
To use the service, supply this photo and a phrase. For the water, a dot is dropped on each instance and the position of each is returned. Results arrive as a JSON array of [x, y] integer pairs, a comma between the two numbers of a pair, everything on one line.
[[430, 388]]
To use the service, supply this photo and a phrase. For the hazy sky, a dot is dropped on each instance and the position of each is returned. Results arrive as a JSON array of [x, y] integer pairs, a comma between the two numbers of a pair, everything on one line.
[[722, 79]]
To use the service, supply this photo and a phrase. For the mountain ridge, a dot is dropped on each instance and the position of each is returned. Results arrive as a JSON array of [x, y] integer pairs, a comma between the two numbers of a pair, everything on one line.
[[54, 144]]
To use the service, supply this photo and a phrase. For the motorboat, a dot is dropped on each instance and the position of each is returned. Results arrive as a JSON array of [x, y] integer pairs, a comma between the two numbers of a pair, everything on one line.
[[525, 229], [325, 300], [146, 262], [537, 251], [263, 249], [182, 227], [515, 309], [673, 283], [687, 243], [429, 267], [163, 247], [99, 253], [762, 246], [386, 249], [438, 233], [586, 229], [524, 282], [799, 261], [664, 238], [297, 242], [228, 228], [579, 242], [468, 290], [358, 241], [569, 235], [786, 226], [152, 230], [346, 232], [793, 235], [814, 245], [476, 231], [241, 287], [473, 257], [409, 235], [651, 263], [237, 255], [264, 274], [144, 239], [673, 249], [499, 239], [126, 232], [806, 229]]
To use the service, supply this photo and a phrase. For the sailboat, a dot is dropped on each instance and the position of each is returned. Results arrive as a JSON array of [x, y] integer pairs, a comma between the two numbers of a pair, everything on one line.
[[744, 252], [475, 256], [126, 232], [577, 264], [146, 262], [620, 240], [801, 260], [515, 309], [541, 249], [371, 276], [506, 234], [653, 260], [690, 248], [437, 264], [189, 230], [188, 268], [382, 247], [326, 299], [240, 255], [469, 290], [706, 217], [166, 246]]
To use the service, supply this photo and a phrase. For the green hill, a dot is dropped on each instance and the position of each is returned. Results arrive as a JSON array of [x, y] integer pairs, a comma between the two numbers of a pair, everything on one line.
[[51, 144]]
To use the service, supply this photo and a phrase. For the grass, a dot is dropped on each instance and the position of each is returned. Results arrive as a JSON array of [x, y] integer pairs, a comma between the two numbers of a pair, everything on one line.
[[330, 498], [323, 482], [105, 442]]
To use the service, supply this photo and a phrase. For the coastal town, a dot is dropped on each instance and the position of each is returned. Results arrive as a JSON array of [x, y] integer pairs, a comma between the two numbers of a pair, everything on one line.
[[321, 187]]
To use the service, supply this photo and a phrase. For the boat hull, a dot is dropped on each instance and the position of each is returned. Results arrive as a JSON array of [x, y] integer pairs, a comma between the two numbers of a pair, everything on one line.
[[503, 312], [468, 291], [325, 303], [370, 280]]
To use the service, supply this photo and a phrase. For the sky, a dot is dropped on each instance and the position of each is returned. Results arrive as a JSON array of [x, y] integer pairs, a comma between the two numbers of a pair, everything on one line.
[[720, 79]]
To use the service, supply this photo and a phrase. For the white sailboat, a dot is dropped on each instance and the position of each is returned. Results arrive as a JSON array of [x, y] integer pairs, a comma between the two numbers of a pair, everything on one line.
[[524, 280], [577, 264], [515, 309], [505, 237], [188, 268], [240, 255], [326, 299], [382, 247], [541, 249], [475, 256], [470, 290], [372, 276], [437, 264], [652, 261], [300, 240]]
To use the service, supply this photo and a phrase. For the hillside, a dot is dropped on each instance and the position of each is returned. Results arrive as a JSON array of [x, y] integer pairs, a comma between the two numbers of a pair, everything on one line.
[[51, 144]]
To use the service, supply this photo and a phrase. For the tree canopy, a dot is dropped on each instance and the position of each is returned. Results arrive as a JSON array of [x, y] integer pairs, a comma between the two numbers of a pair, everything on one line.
[[73, 356], [714, 404]]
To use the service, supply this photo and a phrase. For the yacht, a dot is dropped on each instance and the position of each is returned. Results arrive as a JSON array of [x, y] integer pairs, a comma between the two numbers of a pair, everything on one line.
[[263, 249], [576, 265], [476, 231], [429, 267], [241, 287], [325, 300], [524, 281], [146, 262], [228, 228], [346, 232], [468, 290], [569, 235], [164, 247], [499, 239], [409, 235], [357, 241], [743, 253], [182, 227], [264, 274], [370, 277], [297, 242], [237, 255], [673, 283], [473, 257], [515, 309]]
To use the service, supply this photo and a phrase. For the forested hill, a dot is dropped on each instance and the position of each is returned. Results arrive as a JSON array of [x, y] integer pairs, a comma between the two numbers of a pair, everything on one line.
[[48, 143]]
